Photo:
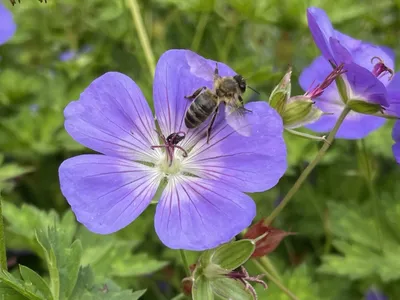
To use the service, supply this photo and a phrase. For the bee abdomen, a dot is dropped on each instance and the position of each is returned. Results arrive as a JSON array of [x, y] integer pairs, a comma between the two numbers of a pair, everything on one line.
[[199, 111]]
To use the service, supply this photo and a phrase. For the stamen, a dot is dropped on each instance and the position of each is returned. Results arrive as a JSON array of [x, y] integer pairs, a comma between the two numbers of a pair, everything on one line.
[[380, 69], [170, 143], [320, 88]]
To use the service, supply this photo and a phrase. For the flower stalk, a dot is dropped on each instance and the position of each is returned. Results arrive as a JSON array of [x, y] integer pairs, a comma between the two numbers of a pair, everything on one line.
[[3, 257], [143, 37], [185, 262], [309, 168]]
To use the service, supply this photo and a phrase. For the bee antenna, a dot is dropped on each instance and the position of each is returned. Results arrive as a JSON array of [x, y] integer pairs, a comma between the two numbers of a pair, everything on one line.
[[253, 90]]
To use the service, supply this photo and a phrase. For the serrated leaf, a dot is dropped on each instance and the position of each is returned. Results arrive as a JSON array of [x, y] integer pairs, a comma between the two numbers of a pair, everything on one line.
[[357, 238], [227, 288], [201, 289], [234, 254], [30, 276]]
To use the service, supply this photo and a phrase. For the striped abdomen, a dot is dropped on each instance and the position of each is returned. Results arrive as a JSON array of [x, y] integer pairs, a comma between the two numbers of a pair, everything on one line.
[[200, 109]]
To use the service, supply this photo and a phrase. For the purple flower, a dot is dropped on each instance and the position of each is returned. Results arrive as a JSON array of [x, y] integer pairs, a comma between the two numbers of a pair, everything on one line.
[[7, 25], [203, 203], [69, 55], [366, 79], [373, 294]]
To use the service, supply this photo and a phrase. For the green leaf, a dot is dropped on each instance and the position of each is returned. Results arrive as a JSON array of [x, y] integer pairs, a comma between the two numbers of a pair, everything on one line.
[[234, 254], [201, 289], [31, 277], [227, 288], [25, 289], [299, 281], [8, 293], [365, 251], [63, 260], [84, 282], [99, 250]]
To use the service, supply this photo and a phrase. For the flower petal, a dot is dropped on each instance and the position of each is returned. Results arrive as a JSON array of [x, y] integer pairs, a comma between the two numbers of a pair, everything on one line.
[[365, 85], [198, 214], [321, 29], [113, 118], [250, 164], [106, 193], [356, 125], [7, 25], [342, 55], [393, 90], [396, 131], [178, 74]]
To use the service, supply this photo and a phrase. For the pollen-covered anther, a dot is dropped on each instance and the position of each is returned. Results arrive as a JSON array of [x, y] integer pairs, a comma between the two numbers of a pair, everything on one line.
[[380, 69], [320, 88], [170, 143]]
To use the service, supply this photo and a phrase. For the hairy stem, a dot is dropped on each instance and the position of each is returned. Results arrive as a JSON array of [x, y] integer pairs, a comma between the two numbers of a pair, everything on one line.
[[309, 168], [143, 37], [3, 257], [185, 262], [274, 280]]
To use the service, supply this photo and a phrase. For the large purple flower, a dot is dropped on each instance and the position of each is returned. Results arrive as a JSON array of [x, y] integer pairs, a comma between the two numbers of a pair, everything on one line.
[[7, 25], [364, 81], [203, 203]]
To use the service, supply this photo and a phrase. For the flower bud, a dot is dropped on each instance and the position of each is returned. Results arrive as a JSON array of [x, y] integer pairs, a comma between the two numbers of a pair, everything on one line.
[[281, 93], [361, 106], [220, 272], [300, 111]]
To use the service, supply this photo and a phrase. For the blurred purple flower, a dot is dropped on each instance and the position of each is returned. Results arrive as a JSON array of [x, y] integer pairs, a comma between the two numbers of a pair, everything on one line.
[[373, 294], [367, 78], [69, 55], [7, 25], [203, 203]]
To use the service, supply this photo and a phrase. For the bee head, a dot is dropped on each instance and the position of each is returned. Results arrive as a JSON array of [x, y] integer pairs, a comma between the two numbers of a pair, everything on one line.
[[241, 82]]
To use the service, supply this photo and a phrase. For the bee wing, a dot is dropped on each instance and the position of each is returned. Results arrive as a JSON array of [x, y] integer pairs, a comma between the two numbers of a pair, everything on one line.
[[236, 117], [199, 66]]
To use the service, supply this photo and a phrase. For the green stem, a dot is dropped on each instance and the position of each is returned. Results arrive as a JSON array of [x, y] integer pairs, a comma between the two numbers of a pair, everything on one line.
[[275, 281], [3, 257], [143, 37], [185, 262], [200, 28], [309, 168]]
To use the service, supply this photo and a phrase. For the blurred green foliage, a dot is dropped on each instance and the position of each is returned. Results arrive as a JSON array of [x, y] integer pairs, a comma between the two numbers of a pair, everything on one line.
[[347, 216]]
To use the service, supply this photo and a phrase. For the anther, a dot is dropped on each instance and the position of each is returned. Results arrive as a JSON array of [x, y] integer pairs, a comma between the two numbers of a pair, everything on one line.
[[170, 143]]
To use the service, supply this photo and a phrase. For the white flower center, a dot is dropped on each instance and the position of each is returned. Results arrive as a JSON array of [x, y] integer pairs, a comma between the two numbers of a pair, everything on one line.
[[167, 167]]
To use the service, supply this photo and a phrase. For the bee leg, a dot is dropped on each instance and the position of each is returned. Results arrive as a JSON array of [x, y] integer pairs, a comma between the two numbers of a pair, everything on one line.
[[242, 102], [196, 93], [211, 124], [216, 73]]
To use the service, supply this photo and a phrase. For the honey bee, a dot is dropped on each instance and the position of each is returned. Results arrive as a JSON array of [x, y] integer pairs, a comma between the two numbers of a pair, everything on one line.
[[227, 90]]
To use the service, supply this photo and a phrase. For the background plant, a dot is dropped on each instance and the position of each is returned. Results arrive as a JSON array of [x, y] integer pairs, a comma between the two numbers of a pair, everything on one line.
[[344, 245]]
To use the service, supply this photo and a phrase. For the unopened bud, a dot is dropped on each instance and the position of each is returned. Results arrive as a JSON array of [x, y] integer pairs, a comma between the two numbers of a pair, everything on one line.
[[300, 111], [281, 93]]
